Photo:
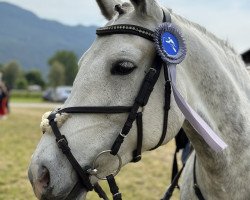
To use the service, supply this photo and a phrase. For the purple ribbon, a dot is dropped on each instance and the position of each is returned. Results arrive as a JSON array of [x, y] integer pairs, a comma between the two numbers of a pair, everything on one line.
[[213, 140]]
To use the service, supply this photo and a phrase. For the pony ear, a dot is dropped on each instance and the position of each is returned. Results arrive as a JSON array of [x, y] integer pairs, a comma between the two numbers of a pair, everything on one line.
[[108, 7], [148, 7]]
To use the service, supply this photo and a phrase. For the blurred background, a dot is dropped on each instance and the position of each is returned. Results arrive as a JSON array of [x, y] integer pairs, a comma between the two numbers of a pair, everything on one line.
[[41, 42]]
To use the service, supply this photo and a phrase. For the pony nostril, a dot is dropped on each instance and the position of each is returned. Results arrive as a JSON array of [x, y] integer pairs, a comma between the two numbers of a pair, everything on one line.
[[43, 177], [40, 180]]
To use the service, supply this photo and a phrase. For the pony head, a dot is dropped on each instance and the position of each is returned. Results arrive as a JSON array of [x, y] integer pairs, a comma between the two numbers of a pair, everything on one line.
[[110, 74]]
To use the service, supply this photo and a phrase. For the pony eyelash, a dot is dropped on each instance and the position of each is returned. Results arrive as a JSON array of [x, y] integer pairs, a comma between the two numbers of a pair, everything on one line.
[[123, 68]]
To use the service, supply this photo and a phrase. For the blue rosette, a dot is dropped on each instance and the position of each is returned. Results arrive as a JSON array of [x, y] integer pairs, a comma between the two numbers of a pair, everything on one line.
[[170, 43]]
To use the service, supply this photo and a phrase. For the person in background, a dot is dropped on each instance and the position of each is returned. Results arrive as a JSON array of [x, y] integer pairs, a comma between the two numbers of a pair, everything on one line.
[[3, 99]]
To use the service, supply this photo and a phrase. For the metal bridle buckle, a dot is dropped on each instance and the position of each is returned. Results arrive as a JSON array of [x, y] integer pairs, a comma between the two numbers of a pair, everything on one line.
[[62, 142], [124, 136], [116, 194], [114, 173], [92, 172], [141, 109], [153, 69]]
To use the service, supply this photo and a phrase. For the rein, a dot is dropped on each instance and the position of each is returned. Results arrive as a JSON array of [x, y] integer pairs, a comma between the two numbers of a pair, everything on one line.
[[134, 113]]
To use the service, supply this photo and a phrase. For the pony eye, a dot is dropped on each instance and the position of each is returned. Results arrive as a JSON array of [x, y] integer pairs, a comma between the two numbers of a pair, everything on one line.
[[122, 68]]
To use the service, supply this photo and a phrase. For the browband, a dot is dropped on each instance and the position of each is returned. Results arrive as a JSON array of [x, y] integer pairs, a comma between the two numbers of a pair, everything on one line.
[[126, 29], [131, 29]]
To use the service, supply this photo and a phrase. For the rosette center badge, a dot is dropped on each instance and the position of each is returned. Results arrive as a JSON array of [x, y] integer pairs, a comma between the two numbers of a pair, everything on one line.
[[170, 43]]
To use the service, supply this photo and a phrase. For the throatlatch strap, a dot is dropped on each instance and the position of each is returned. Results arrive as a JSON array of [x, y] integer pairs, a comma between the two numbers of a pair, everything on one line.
[[167, 101], [114, 188]]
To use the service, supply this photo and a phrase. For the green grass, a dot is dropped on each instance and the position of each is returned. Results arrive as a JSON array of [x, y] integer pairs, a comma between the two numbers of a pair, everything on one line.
[[19, 135], [23, 96], [26, 100]]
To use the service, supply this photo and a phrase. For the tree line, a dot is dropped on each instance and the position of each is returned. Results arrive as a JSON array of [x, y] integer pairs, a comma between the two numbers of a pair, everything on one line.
[[63, 68]]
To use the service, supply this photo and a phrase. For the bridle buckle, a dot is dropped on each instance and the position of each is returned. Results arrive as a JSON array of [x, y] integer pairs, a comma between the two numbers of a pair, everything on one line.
[[62, 144], [123, 135], [141, 109], [92, 171], [117, 194]]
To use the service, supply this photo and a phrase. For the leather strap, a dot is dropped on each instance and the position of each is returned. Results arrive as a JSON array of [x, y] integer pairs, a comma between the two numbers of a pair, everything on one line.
[[78, 187], [167, 100], [140, 101], [126, 29], [98, 189], [96, 110], [196, 186], [75, 191], [173, 185], [63, 145], [137, 151], [114, 189], [175, 172], [175, 169]]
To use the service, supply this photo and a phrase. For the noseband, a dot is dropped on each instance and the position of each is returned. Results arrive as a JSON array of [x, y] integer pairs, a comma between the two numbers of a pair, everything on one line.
[[134, 114]]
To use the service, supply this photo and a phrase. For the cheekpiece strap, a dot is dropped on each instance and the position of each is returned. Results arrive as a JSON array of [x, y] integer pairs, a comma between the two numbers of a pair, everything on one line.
[[63, 145]]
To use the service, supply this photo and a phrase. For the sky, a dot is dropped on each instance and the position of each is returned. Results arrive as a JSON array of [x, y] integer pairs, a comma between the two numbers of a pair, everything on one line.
[[228, 19]]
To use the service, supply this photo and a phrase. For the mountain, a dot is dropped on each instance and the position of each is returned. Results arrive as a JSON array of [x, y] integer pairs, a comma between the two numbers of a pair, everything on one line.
[[30, 40]]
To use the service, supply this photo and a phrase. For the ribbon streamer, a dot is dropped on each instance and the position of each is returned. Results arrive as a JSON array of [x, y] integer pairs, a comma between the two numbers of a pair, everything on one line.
[[211, 138]]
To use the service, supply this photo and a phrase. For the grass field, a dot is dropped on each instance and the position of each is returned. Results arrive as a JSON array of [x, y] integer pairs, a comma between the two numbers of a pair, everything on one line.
[[19, 135], [26, 96], [26, 100]]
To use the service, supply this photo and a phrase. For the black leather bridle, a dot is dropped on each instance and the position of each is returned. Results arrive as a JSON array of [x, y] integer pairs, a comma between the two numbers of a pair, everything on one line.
[[134, 114]]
